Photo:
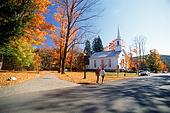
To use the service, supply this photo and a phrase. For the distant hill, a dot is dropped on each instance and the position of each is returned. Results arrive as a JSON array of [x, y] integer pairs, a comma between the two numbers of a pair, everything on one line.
[[166, 59]]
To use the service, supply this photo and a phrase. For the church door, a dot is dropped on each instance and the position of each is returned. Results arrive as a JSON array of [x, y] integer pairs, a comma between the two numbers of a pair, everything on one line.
[[102, 63]]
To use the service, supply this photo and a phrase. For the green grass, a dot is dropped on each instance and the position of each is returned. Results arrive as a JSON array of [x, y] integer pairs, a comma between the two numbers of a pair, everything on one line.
[[120, 74]]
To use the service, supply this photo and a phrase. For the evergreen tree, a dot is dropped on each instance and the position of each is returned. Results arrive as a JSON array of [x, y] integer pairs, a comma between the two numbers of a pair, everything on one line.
[[87, 48], [14, 17], [97, 45]]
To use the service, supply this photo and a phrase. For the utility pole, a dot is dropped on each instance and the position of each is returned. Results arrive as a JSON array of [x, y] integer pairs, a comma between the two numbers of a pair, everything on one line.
[[85, 65]]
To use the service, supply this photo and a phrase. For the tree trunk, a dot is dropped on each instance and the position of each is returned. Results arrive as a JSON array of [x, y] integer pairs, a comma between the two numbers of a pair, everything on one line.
[[71, 63], [65, 53], [140, 57], [66, 42], [71, 59], [59, 70], [63, 61], [1, 62]]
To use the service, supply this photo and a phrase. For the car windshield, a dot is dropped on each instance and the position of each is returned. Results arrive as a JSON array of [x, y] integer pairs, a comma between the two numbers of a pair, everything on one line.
[[141, 70]]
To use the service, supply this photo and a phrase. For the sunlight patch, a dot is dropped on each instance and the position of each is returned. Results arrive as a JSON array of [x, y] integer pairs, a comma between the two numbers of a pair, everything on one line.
[[124, 104], [167, 87]]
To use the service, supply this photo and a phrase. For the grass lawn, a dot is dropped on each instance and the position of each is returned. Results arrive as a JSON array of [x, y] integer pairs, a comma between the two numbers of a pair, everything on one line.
[[77, 77]]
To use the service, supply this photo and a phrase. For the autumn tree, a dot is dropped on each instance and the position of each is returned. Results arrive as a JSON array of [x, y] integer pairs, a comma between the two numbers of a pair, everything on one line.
[[39, 28], [20, 52], [27, 22], [58, 37], [97, 45], [37, 61], [132, 60], [71, 60], [128, 61], [15, 16], [24, 17], [75, 14], [23, 52], [154, 61], [112, 45], [166, 60], [48, 60]]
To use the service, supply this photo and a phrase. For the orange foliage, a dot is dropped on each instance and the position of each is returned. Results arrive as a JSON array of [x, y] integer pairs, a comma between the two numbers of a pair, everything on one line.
[[112, 45], [163, 66], [128, 60], [62, 18], [135, 50], [38, 27], [41, 5], [59, 37], [37, 61]]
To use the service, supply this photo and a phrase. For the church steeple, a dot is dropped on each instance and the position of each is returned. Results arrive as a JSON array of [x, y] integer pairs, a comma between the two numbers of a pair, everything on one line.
[[118, 33], [118, 41]]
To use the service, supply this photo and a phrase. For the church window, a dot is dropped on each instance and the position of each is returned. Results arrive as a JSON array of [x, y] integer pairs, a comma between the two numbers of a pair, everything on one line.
[[110, 64], [95, 63], [122, 62], [118, 43]]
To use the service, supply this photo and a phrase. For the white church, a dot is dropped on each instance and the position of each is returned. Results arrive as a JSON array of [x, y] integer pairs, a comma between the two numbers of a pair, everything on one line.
[[110, 59]]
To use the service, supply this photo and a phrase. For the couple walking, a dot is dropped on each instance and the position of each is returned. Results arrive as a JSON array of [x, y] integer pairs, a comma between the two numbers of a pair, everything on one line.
[[100, 72]]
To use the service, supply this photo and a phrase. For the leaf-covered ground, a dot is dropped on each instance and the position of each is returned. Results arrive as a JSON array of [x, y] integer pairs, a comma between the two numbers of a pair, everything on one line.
[[77, 77], [21, 77]]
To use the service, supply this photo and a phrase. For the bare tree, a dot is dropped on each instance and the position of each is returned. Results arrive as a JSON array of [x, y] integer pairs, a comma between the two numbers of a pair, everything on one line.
[[77, 14], [143, 48], [139, 44]]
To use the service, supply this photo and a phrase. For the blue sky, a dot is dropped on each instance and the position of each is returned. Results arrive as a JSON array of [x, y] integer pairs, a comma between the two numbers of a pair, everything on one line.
[[150, 18]]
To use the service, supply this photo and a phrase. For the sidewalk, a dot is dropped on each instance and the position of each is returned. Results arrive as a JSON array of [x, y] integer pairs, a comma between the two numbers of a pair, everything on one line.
[[48, 82]]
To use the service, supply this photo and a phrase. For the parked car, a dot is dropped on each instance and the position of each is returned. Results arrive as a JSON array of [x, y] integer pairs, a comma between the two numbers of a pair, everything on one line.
[[165, 71], [144, 72]]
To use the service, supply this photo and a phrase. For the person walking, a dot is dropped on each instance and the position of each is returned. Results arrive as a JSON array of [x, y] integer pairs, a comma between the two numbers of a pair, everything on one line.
[[102, 73], [97, 75]]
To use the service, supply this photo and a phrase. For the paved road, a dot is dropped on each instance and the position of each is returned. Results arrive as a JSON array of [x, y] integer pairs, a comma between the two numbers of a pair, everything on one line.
[[42, 83], [140, 95]]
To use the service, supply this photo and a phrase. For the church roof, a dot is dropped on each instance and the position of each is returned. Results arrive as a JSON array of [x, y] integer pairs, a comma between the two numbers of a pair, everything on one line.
[[105, 54]]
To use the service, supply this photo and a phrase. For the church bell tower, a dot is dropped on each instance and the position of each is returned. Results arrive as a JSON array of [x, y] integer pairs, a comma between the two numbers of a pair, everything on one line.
[[118, 42]]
